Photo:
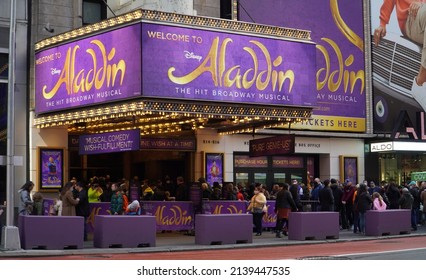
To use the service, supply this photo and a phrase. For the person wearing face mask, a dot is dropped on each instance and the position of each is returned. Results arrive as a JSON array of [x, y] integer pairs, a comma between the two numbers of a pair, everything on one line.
[[257, 208]]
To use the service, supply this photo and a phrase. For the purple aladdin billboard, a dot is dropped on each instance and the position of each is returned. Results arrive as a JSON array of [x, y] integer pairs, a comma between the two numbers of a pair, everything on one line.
[[98, 69], [118, 141], [338, 30], [187, 63]]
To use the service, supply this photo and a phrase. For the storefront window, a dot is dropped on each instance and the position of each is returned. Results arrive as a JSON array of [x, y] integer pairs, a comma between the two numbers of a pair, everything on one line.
[[260, 178], [398, 167]]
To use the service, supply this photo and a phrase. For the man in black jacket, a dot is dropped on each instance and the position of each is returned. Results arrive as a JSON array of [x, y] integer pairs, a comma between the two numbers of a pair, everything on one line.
[[284, 204], [82, 208], [326, 197]]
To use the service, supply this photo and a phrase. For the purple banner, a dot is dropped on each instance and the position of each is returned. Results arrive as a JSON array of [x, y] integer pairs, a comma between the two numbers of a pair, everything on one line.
[[188, 63], [97, 208], [102, 68], [338, 29], [278, 145], [177, 215], [119, 141], [239, 207], [168, 144]]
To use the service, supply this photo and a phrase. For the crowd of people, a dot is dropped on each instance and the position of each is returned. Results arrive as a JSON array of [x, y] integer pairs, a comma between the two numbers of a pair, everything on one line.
[[350, 200]]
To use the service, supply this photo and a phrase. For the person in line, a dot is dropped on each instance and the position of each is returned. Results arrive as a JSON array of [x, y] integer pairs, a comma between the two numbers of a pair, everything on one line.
[[68, 200], [393, 195], [182, 190], [133, 208], [37, 204], [415, 192], [378, 202], [411, 15], [116, 205], [94, 191], [406, 201], [363, 203], [423, 200], [26, 205], [256, 207], [284, 204], [337, 194], [326, 197], [347, 204], [82, 207]]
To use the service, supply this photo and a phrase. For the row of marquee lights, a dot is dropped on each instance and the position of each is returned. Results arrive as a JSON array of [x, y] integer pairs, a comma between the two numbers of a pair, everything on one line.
[[216, 23], [157, 117]]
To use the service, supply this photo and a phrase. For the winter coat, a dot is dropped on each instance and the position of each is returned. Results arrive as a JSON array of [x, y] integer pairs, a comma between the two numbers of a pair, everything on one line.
[[284, 199], [68, 204]]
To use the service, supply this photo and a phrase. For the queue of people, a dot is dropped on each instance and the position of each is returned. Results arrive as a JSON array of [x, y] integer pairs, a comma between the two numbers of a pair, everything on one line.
[[350, 200]]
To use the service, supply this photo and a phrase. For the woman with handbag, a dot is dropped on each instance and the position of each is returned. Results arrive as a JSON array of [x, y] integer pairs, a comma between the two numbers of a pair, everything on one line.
[[256, 207]]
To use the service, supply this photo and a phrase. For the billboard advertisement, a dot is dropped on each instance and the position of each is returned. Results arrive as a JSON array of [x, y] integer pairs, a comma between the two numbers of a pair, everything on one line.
[[98, 69], [395, 62], [338, 30], [187, 63]]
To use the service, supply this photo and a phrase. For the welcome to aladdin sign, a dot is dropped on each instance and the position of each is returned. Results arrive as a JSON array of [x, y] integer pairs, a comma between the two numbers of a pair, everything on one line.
[[157, 60]]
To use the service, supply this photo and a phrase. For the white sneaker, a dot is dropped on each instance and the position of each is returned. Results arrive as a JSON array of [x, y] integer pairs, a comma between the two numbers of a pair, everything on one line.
[[419, 93]]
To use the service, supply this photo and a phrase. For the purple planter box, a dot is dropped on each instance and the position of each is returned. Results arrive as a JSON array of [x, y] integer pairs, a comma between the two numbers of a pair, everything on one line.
[[124, 231], [223, 229], [387, 222], [51, 232], [313, 225]]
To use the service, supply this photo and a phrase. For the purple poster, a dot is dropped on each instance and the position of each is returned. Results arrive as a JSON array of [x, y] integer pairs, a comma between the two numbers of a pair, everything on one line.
[[187, 63], [110, 142], [338, 30], [101, 68], [214, 168], [51, 168]]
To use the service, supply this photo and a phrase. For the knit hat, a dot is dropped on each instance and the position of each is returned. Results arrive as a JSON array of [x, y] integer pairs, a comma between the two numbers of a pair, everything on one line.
[[405, 190], [412, 183]]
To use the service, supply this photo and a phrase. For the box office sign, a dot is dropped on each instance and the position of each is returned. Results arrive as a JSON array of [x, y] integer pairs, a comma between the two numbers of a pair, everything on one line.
[[119, 141], [278, 145], [98, 69], [188, 63]]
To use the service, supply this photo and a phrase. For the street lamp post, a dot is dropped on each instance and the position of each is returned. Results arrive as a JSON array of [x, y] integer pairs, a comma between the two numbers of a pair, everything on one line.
[[10, 234]]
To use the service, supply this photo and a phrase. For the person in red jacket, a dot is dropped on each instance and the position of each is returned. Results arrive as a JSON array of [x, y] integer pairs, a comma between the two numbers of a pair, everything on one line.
[[411, 15]]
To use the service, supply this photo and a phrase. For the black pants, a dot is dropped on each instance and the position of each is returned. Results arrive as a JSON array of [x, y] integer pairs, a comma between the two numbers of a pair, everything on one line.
[[281, 222], [257, 221]]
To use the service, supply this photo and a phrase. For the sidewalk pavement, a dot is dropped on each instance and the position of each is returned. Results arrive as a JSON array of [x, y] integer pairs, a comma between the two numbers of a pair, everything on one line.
[[178, 241]]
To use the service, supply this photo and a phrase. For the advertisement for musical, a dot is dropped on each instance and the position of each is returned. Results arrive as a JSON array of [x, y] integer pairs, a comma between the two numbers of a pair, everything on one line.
[[186, 63], [98, 69], [338, 30]]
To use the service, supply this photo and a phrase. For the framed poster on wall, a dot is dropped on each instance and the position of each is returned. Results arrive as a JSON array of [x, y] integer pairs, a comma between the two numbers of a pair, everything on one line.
[[51, 168], [214, 167], [349, 169]]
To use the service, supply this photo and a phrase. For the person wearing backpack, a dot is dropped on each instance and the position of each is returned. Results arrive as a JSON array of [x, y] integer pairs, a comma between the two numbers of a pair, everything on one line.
[[116, 206]]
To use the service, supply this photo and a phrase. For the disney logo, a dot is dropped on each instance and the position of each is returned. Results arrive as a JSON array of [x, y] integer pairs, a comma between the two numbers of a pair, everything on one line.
[[55, 71], [191, 55]]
